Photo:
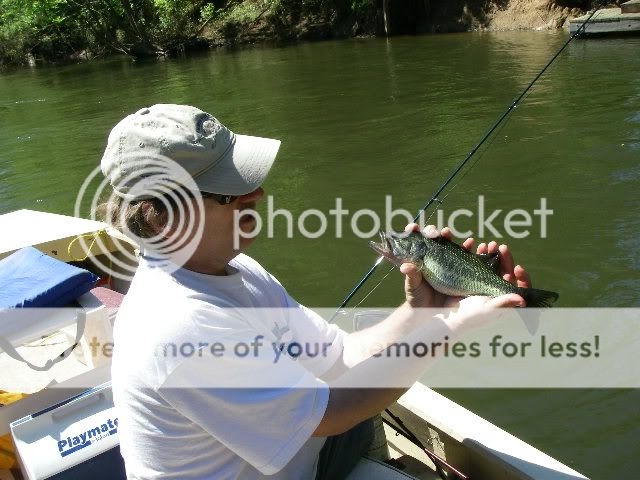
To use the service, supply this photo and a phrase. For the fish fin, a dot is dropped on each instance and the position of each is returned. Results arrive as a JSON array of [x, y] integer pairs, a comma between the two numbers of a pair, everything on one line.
[[441, 239], [492, 260], [444, 240], [537, 298]]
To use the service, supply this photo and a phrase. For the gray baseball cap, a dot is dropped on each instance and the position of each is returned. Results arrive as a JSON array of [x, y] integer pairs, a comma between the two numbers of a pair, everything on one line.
[[215, 158]]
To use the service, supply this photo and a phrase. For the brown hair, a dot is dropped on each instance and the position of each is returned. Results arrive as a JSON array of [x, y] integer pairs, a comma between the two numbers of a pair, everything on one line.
[[143, 218]]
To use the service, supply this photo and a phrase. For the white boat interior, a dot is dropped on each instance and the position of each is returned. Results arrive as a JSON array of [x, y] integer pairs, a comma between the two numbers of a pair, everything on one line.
[[472, 445]]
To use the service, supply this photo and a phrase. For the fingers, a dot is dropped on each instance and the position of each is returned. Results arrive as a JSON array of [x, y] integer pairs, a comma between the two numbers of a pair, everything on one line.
[[418, 292], [522, 277], [408, 269], [510, 300], [430, 231], [512, 274], [506, 264], [413, 275]]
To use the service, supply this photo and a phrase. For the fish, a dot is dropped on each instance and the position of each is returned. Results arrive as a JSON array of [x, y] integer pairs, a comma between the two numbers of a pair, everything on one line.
[[454, 271]]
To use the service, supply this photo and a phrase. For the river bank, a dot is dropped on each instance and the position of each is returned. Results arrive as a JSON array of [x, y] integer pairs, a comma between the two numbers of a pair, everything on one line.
[[32, 33], [402, 18]]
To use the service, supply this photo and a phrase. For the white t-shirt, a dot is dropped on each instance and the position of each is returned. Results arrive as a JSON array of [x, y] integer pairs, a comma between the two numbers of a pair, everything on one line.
[[175, 366]]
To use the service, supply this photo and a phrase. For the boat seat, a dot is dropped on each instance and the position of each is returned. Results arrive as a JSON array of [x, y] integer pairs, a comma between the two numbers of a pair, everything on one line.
[[369, 469]]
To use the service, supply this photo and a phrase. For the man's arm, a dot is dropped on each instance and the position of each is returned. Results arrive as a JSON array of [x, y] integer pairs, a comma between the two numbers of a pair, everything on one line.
[[382, 375]]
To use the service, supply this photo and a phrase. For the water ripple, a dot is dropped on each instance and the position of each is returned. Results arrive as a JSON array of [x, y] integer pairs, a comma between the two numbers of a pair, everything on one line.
[[22, 102], [623, 293], [635, 118], [629, 175]]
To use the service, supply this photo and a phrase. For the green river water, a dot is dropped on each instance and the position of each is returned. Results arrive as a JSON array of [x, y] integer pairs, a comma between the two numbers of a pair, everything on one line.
[[361, 119]]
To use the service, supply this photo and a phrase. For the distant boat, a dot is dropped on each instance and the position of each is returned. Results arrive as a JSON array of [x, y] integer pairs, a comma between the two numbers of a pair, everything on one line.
[[611, 21]]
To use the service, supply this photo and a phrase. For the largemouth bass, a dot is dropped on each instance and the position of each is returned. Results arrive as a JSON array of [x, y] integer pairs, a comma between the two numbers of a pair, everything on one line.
[[452, 270]]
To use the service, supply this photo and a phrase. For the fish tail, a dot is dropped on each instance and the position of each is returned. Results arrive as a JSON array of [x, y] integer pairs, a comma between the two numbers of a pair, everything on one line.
[[537, 298]]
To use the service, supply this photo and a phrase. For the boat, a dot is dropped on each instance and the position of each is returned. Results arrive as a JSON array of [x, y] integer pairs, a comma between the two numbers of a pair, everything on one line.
[[610, 21], [454, 438]]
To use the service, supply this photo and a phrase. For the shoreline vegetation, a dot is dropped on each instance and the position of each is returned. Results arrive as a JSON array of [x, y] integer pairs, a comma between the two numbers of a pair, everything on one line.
[[55, 31]]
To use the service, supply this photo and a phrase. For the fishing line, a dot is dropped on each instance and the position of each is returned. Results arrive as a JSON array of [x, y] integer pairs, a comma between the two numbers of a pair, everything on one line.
[[466, 172], [502, 118], [470, 167], [440, 202], [377, 285]]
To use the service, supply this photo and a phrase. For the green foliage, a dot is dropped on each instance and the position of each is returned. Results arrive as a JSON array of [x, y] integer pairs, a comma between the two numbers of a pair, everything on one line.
[[360, 5], [60, 28], [175, 20], [245, 12], [207, 12]]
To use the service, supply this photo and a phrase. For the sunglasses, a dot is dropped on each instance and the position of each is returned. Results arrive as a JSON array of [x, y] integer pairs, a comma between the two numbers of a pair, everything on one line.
[[218, 197]]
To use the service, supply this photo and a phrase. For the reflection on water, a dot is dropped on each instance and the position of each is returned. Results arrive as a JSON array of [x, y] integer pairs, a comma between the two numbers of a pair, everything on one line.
[[361, 119]]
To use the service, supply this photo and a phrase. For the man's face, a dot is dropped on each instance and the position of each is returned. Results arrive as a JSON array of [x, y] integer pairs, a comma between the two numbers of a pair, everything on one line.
[[239, 225], [222, 224]]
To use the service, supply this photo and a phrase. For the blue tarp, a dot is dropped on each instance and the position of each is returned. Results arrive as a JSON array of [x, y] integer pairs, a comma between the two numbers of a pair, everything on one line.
[[29, 278]]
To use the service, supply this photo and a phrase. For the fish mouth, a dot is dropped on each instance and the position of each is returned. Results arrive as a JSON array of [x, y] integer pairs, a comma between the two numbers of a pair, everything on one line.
[[385, 249]]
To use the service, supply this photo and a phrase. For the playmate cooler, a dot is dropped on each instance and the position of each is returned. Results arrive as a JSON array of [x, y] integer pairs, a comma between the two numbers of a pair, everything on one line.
[[75, 439]]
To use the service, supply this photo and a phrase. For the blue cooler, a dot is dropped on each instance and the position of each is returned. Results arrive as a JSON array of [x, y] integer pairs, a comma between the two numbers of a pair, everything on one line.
[[74, 439]]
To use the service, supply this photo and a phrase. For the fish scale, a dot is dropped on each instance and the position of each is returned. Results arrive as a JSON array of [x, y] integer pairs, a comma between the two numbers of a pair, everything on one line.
[[452, 270]]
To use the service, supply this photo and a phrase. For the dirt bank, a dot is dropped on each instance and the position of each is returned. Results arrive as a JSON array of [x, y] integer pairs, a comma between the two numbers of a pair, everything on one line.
[[531, 15], [74, 32], [252, 21]]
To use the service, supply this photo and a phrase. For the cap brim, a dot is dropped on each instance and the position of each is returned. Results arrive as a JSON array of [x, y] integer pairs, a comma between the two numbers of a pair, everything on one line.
[[243, 168]]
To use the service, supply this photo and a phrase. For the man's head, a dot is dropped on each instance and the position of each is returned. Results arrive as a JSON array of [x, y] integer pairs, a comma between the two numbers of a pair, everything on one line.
[[159, 160]]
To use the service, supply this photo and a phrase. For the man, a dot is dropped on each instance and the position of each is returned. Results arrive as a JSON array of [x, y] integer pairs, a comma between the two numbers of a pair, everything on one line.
[[192, 403]]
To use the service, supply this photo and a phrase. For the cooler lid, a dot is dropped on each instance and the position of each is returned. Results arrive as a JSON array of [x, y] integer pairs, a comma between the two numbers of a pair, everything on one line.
[[66, 434]]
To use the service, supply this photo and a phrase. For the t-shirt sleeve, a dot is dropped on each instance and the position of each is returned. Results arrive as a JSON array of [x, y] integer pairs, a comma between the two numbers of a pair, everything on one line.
[[322, 342], [261, 409]]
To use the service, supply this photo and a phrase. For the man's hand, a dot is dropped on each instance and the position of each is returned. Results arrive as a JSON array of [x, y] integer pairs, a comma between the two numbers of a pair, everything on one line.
[[347, 405], [420, 294]]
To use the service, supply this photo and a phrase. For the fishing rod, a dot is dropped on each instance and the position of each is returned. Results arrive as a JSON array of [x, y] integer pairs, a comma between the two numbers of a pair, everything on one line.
[[399, 426], [440, 463], [434, 198]]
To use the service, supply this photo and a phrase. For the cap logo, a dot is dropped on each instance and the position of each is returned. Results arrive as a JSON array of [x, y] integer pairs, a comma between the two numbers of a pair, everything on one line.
[[210, 126]]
